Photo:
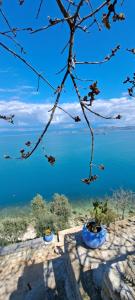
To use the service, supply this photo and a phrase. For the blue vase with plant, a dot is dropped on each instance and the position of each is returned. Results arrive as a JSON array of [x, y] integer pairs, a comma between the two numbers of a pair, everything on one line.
[[93, 232], [48, 235]]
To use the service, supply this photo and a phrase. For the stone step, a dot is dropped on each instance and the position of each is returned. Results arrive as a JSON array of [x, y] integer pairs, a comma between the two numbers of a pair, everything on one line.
[[80, 268], [45, 281], [36, 271], [89, 266], [83, 279]]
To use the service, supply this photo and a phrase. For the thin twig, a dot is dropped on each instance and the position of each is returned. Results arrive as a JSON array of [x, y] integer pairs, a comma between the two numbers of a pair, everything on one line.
[[99, 115], [18, 30], [50, 119], [63, 111], [74, 22], [26, 63], [61, 70], [95, 20], [88, 123], [6, 20], [51, 24], [62, 51], [93, 13], [14, 41], [39, 8], [106, 59]]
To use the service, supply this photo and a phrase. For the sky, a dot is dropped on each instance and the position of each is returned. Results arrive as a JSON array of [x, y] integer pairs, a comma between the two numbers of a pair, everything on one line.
[[18, 85]]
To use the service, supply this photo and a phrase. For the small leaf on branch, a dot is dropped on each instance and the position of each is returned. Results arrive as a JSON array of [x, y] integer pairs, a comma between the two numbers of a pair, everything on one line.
[[94, 88], [28, 144], [21, 2], [111, 8], [132, 82], [94, 91], [127, 80], [130, 91], [8, 118], [105, 21], [131, 50], [118, 117], [53, 22], [58, 89], [77, 119], [85, 98], [51, 159], [118, 17], [89, 180], [22, 151]]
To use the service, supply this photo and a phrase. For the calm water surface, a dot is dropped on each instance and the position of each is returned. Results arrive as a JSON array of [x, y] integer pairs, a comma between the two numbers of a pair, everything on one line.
[[21, 180]]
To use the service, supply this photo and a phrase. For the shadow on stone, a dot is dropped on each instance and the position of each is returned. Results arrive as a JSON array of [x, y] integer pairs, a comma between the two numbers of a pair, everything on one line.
[[88, 266], [45, 281]]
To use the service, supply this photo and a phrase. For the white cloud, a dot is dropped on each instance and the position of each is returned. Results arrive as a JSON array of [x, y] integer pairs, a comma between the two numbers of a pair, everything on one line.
[[20, 90], [35, 115]]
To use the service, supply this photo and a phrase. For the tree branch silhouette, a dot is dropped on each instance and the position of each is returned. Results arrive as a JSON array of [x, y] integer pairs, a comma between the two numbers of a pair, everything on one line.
[[74, 17]]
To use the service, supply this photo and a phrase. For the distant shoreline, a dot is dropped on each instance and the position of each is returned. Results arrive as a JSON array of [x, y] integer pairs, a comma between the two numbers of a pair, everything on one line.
[[32, 130]]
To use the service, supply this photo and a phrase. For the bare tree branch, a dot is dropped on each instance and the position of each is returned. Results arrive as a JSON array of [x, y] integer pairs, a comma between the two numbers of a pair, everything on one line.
[[101, 116], [106, 59], [76, 119], [28, 154], [26, 63], [14, 41], [95, 20], [64, 12], [6, 20], [39, 8], [51, 24], [89, 126], [72, 17], [8, 118], [94, 12]]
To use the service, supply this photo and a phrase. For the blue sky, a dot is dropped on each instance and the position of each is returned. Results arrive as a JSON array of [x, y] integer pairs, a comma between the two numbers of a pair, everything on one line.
[[18, 84]]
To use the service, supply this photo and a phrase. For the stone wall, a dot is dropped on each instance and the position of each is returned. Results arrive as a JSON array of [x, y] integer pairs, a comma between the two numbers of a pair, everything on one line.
[[118, 282]]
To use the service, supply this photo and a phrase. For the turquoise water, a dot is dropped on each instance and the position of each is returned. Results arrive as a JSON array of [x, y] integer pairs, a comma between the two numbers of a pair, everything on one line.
[[21, 180]]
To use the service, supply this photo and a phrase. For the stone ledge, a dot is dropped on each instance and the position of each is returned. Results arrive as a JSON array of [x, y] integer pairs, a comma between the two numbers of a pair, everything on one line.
[[21, 246], [114, 286], [38, 242]]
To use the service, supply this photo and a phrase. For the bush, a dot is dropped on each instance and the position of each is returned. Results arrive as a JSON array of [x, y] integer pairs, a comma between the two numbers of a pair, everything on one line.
[[38, 206], [61, 207], [109, 217], [44, 221], [103, 213], [11, 229], [124, 201], [43, 217]]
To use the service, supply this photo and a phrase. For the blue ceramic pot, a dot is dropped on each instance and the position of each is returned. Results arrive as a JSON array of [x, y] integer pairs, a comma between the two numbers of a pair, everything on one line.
[[48, 238], [94, 240]]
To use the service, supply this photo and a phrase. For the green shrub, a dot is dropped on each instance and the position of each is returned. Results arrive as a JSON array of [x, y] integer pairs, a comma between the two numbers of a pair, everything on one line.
[[103, 213], [38, 206], [11, 229], [61, 207], [109, 217], [3, 242], [44, 221]]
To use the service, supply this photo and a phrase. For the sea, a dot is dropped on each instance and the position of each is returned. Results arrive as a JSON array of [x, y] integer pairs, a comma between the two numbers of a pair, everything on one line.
[[21, 180]]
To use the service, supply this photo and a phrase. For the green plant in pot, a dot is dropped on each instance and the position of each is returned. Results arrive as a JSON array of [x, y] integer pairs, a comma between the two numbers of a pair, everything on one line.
[[48, 234], [94, 233]]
